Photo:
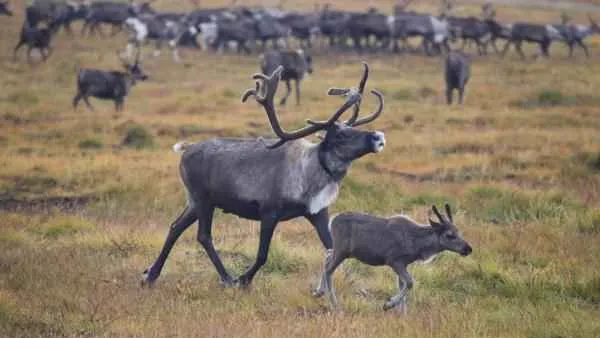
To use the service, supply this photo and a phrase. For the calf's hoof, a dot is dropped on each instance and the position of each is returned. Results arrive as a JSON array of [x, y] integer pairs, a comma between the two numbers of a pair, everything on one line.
[[318, 293]]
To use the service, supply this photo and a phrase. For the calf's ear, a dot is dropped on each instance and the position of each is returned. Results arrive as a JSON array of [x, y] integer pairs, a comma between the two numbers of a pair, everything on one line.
[[437, 227]]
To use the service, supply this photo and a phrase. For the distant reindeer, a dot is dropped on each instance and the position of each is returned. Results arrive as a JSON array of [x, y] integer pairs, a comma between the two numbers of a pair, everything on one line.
[[457, 73], [543, 35], [574, 35], [5, 8], [470, 29], [114, 14], [36, 38], [295, 65], [160, 29], [270, 180], [108, 85], [396, 242], [63, 13]]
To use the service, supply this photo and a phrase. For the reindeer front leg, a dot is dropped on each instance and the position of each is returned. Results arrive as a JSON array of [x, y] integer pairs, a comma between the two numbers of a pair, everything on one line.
[[405, 283], [322, 288]]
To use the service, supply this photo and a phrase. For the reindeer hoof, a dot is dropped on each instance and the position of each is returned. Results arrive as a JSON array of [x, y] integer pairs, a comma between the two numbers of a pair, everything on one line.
[[387, 306], [242, 282], [147, 279], [228, 283], [318, 293]]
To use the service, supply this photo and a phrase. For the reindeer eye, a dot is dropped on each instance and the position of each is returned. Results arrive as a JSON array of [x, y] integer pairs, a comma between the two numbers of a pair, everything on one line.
[[451, 236]]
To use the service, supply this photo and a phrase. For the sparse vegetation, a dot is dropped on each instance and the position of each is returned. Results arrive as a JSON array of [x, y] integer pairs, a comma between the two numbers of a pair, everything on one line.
[[138, 137], [525, 184], [90, 144], [555, 98]]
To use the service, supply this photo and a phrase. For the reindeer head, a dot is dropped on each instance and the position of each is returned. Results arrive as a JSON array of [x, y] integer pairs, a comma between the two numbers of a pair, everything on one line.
[[79, 8], [5, 8], [449, 236], [307, 59], [134, 69], [341, 143], [136, 8]]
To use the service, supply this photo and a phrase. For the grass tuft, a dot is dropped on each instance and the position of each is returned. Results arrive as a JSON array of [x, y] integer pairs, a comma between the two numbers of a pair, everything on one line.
[[508, 206], [556, 98], [137, 136], [61, 226], [90, 144]]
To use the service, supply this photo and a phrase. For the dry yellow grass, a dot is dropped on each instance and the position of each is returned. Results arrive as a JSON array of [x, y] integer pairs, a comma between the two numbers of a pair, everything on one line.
[[523, 177]]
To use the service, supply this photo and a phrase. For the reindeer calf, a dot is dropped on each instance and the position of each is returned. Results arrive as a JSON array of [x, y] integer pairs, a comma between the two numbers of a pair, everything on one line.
[[457, 75], [38, 38], [108, 85], [395, 242]]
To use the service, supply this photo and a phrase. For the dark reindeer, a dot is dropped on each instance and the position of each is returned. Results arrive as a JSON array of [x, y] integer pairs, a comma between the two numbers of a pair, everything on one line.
[[108, 85], [113, 14], [295, 65], [35, 38], [396, 242], [574, 35], [270, 180], [456, 73], [543, 35], [63, 13]]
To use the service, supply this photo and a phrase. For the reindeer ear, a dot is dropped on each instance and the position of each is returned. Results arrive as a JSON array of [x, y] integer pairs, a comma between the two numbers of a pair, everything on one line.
[[435, 225]]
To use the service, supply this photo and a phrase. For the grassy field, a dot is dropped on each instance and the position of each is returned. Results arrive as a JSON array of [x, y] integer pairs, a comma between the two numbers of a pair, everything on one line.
[[520, 163]]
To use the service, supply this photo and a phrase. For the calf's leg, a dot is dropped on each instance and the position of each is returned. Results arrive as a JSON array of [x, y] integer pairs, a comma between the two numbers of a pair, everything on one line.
[[405, 283]]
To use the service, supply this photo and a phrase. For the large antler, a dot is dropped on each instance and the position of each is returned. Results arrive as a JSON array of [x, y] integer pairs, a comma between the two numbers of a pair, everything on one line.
[[266, 86], [354, 121]]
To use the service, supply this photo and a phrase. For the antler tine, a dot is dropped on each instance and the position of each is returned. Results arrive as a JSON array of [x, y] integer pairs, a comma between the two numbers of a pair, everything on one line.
[[373, 115], [251, 92], [352, 100], [437, 213], [361, 89], [365, 77], [449, 212]]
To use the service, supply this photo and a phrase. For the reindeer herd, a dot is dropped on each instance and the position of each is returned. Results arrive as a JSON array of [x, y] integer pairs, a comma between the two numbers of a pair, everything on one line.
[[275, 180], [248, 29]]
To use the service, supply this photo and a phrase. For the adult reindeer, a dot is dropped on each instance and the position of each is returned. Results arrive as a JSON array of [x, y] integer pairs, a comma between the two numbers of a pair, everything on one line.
[[270, 182], [574, 35]]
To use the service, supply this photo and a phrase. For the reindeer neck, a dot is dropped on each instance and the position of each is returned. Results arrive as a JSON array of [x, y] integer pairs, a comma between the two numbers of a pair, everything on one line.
[[334, 166], [427, 242]]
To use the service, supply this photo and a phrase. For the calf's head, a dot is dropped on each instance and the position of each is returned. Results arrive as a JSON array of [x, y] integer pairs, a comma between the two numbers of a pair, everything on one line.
[[449, 237], [135, 69]]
